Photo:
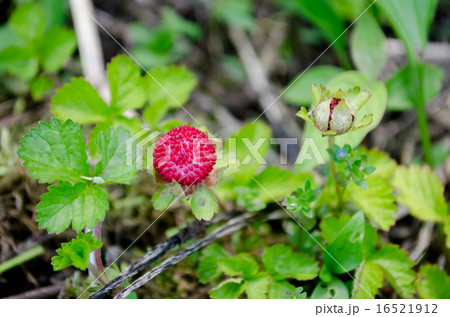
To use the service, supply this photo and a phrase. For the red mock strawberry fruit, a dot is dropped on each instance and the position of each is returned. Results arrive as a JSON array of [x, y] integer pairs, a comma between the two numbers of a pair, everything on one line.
[[185, 155]]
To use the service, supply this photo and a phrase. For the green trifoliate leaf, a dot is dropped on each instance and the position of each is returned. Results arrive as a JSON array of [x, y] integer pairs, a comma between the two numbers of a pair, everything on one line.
[[79, 101], [55, 152], [257, 286], [204, 204], [57, 47], [172, 84], [433, 283], [118, 158], [76, 252], [163, 199], [65, 203], [345, 252], [281, 263], [229, 289], [377, 202], [241, 265], [27, 21], [397, 268], [126, 84], [421, 191], [208, 267], [369, 278]]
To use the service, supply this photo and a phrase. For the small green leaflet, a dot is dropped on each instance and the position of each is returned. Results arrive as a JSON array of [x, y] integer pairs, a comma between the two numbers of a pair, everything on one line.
[[421, 191], [369, 278], [162, 199], [79, 101], [55, 152], [229, 289], [433, 283], [377, 202], [241, 265], [204, 203], [118, 158], [280, 262], [208, 267], [27, 21], [65, 203], [397, 267], [126, 84], [76, 252], [171, 84], [57, 47], [257, 286]]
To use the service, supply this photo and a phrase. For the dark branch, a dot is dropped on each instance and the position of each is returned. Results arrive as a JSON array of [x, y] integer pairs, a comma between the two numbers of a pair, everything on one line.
[[191, 231], [231, 226]]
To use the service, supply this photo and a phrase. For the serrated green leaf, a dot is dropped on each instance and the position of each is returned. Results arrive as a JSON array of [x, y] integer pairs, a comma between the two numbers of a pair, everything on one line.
[[421, 191], [368, 46], [126, 84], [66, 203], [172, 84], [377, 202], [240, 265], [76, 252], [162, 199], [208, 267], [281, 263], [55, 152], [280, 289], [369, 278], [384, 164], [79, 101], [204, 203], [345, 252], [19, 61], [118, 161], [397, 268], [257, 286], [229, 289], [336, 289], [57, 47], [27, 21], [433, 283]]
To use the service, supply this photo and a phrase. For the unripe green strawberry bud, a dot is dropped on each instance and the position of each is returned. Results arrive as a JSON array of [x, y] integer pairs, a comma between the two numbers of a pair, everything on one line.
[[335, 114]]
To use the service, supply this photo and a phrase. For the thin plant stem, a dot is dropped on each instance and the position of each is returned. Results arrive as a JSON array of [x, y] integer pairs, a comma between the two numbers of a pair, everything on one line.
[[339, 193], [421, 114]]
